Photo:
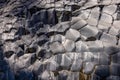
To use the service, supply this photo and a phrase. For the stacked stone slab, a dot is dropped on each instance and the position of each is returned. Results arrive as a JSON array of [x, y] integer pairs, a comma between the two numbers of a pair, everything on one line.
[[60, 40]]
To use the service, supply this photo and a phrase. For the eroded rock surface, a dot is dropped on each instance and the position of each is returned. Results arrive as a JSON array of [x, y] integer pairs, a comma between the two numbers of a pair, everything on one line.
[[59, 39]]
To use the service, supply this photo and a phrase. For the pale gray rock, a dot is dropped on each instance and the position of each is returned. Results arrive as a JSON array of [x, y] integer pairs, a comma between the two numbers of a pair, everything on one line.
[[78, 24], [77, 65], [52, 66], [72, 34], [10, 46], [47, 75], [8, 36], [113, 31], [116, 24], [110, 9], [69, 45], [110, 39], [88, 67], [89, 31], [94, 16], [95, 46], [58, 37], [88, 56], [105, 21], [66, 62], [61, 27], [57, 47], [24, 61], [37, 67], [104, 59], [81, 47], [73, 76]]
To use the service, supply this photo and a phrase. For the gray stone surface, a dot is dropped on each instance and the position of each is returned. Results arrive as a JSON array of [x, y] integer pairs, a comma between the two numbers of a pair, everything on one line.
[[59, 39], [72, 34]]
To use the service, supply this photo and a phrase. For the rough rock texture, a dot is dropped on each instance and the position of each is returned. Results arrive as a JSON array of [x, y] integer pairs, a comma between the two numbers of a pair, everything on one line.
[[59, 39]]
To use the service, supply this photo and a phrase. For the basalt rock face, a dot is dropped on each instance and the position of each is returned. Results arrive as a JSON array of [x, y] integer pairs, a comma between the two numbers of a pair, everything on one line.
[[59, 39]]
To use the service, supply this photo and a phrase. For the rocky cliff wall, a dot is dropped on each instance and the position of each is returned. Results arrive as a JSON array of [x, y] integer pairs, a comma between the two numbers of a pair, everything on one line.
[[59, 40]]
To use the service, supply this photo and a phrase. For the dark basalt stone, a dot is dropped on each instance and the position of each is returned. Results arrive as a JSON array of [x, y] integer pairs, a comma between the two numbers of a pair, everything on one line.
[[66, 16], [31, 50], [24, 75], [9, 54], [22, 31], [102, 71]]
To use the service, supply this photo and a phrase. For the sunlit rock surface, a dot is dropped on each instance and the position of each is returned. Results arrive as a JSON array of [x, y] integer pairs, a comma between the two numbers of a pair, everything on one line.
[[59, 39]]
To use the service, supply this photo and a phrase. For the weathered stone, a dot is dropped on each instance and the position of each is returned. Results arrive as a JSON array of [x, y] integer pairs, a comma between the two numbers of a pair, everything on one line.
[[110, 9], [57, 37], [105, 22], [78, 24], [108, 38], [92, 46], [81, 47], [66, 62], [115, 69], [94, 16], [73, 76], [113, 31], [56, 47], [62, 75], [72, 34], [68, 45], [61, 27], [52, 66], [104, 59], [38, 67], [77, 65], [91, 31], [88, 56], [8, 36], [10, 46], [116, 24], [102, 71], [88, 67], [116, 58], [46, 75]]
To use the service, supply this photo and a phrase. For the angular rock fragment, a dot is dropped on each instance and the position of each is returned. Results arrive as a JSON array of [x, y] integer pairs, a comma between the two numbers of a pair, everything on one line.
[[110, 9], [108, 39], [88, 67], [94, 16], [105, 21], [78, 24], [77, 65], [68, 45], [95, 46], [66, 62], [81, 47], [89, 31], [104, 59], [57, 47], [73, 76], [72, 34], [58, 37]]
